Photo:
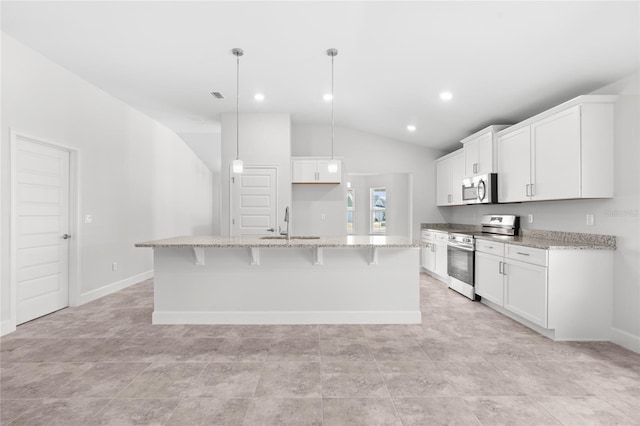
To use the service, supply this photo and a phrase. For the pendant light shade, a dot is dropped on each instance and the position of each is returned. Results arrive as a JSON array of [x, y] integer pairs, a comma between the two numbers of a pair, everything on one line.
[[237, 165], [333, 163]]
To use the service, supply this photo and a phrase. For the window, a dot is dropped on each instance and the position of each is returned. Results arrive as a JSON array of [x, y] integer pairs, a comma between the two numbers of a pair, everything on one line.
[[351, 206], [378, 210]]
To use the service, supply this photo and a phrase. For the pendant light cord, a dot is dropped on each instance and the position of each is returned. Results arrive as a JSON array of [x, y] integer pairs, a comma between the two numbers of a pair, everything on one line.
[[237, 107], [332, 123]]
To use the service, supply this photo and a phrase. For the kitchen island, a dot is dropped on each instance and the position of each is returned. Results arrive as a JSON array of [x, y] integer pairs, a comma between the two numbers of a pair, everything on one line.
[[253, 280]]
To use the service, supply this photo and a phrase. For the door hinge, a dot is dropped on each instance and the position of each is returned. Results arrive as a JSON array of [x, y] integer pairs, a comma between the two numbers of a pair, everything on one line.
[[233, 180]]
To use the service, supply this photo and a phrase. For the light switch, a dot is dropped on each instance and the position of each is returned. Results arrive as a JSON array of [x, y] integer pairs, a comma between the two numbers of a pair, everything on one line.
[[323, 216], [590, 220], [88, 218], [530, 218]]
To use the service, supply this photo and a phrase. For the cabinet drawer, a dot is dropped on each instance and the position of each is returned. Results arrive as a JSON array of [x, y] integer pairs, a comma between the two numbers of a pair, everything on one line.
[[526, 254], [490, 247], [441, 236]]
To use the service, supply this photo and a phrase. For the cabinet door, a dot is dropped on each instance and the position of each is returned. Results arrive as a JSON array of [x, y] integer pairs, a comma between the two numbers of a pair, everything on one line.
[[428, 261], [471, 157], [441, 259], [514, 166], [485, 154], [457, 174], [443, 182], [324, 176], [478, 155], [304, 171], [488, 279], [525, 291], [555, 150]]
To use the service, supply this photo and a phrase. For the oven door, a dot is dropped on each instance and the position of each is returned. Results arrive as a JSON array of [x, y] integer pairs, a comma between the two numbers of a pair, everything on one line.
[[460, 263]]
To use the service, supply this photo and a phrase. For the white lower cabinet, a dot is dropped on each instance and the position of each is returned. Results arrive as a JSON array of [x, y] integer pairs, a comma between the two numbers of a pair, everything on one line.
[[434, 256], [565, 293], [428, 260], [525, 290], [517, 286], [489, 282]]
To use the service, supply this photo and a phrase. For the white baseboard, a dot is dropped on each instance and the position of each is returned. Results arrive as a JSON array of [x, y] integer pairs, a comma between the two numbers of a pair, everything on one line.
[[625, 339], [288, 317], [113, 287], [6, 327]]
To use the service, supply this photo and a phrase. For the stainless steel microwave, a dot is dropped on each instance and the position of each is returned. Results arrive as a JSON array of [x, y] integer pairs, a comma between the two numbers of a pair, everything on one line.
[[481, 189]]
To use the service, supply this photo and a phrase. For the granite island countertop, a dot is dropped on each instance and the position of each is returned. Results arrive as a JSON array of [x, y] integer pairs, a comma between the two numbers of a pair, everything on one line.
[[301, 242]]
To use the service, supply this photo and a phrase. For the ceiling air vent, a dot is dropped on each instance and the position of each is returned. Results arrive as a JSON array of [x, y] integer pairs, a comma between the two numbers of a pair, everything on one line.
[[217, 95]]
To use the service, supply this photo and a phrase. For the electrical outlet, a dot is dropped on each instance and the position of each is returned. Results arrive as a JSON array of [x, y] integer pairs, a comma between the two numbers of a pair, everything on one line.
[[114, 266], [530, 218], [88, 218], [323, 216], [590, 220]]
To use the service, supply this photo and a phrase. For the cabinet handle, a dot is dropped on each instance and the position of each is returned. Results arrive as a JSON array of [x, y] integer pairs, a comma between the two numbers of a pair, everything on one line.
[[533, 190], [475, 167], [433, 248], [527, 189], [504, 272], [449, 198], [500, 268], [523, 254], [490, 247]]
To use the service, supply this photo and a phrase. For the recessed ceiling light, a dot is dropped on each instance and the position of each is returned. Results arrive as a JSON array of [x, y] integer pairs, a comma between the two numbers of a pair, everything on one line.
[[411, 128], [258, 97], [446, 96], [327, 97]]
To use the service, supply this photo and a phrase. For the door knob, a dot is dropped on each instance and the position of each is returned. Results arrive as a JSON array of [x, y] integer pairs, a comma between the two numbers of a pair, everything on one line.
[[66, 236]]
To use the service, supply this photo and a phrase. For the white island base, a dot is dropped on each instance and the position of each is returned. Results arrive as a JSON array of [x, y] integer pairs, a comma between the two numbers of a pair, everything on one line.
[[286, 285]]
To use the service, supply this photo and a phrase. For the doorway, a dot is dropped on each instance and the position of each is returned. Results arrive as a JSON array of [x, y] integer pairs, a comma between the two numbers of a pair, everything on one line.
[[42, 218], [254, 201]]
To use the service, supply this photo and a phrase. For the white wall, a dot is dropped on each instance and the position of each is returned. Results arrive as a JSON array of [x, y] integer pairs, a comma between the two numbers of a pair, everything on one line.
[[137, 178], [265, 140], [361, 153], [619, 216]]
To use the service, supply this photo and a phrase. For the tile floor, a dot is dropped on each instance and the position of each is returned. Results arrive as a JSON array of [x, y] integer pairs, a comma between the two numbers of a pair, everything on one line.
[[105, 364]]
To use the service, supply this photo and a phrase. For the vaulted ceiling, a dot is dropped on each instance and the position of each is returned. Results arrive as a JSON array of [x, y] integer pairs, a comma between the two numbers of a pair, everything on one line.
[[502, 61]]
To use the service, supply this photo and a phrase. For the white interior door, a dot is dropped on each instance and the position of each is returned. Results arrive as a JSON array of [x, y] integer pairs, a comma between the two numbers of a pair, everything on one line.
[[41, 223], [254, 202]]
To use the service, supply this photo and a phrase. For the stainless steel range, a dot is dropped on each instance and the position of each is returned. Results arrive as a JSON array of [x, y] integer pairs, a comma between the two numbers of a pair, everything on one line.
[[461, 251]]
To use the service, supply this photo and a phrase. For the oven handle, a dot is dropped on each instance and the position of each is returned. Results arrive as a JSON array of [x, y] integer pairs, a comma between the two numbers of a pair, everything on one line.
[[461, 247]]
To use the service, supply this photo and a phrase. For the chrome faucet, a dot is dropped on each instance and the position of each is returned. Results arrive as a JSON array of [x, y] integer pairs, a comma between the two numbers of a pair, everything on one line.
[[286, 219]]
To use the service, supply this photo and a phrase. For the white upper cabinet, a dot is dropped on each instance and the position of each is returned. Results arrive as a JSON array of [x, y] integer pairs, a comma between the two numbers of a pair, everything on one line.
[[563, 153], [514, 165], [480, 152], [306, 170], [449, 175]]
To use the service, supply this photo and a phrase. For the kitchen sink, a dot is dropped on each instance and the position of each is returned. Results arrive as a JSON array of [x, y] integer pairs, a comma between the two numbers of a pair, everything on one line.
[[284, 237]]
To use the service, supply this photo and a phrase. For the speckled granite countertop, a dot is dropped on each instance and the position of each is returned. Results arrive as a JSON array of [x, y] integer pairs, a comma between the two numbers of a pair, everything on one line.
[[553, 240], [237, 242]]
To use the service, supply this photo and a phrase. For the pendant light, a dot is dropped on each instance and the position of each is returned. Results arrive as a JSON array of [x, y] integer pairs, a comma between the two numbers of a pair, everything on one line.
[[333, 163], [237, 165]]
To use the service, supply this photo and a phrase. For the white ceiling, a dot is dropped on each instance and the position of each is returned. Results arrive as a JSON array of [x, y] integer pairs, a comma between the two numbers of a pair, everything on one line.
[[503, 61]]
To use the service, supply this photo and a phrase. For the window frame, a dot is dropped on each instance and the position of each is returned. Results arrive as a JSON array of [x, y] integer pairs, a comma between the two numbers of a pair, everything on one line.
[[373, 209]]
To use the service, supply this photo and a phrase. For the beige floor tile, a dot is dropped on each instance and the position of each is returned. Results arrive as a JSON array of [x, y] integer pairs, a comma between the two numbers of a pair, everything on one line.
[[352, 380], [359, 411], [345, 349], [61, 412], [284, 411], [209, 411], [478, 379], [290, 380], [509, 410], [584, 410], [435, 411], [297, 349], [407, 379], [126, 412], [227, 380], [165, 380], [102, 380], [37, 380]]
